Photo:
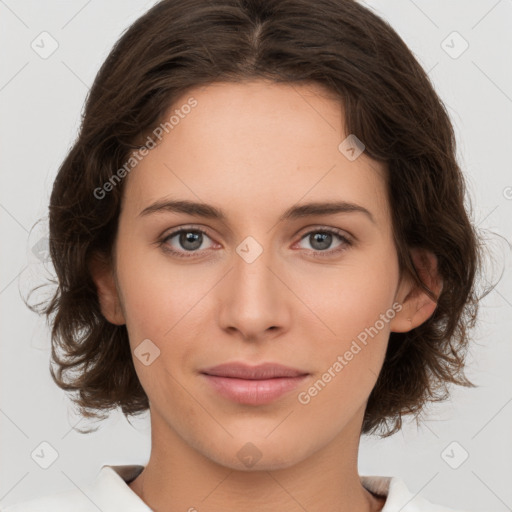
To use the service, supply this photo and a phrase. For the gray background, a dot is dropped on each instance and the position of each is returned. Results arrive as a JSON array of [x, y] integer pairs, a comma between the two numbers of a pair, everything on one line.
[[41, 100]]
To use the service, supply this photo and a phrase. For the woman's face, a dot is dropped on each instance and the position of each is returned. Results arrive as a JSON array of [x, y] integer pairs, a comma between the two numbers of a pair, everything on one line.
[[268, 281]]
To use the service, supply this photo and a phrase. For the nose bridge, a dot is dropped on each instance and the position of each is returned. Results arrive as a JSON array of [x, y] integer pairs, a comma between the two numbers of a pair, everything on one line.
[[251, 275], [253, 296], [255, 272]]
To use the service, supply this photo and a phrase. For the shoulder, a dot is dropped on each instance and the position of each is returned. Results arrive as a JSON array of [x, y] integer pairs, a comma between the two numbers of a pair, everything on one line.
[[398, 496], [109, 491]]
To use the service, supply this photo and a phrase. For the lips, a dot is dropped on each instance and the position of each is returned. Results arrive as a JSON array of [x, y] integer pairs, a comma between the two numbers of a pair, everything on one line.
[[253, 385], [259, 372]]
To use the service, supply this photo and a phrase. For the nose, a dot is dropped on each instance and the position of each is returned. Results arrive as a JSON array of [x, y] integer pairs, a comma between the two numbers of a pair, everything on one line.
[[254, 298]]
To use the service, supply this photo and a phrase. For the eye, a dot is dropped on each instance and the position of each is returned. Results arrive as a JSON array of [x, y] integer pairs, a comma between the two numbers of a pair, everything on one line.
[[185, 240], [321, 241], [189, 242]]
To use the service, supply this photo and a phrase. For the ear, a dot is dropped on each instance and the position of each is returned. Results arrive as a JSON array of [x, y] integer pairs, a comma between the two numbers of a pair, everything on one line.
[[103, 276], [417, 306]]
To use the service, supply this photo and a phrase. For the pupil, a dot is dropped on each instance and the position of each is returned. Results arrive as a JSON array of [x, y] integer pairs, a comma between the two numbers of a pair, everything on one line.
[[322, 241], [190, 237]]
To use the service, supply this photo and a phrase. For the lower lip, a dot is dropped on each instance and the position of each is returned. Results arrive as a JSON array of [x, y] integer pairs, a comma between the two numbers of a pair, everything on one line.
[[254, 392]]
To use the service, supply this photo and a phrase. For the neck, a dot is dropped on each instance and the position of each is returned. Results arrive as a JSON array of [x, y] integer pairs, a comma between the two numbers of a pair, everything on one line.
[[179, 477]]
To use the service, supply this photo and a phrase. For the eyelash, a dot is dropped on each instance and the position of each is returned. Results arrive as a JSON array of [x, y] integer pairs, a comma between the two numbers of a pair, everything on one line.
[[315, 253]]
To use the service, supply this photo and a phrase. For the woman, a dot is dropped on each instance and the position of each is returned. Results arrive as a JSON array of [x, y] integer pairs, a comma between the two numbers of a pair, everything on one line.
[[259, 235]]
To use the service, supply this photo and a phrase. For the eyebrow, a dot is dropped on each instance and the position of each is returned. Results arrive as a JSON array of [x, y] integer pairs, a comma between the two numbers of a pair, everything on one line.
[[295, 212]]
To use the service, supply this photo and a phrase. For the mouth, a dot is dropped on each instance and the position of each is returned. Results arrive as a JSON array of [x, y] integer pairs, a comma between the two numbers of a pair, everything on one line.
[[253, 385]]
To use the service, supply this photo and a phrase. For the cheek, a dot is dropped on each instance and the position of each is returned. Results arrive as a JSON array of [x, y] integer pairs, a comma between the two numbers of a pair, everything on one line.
[[359, 311], [154, 295], [355, 304], [353, 295]]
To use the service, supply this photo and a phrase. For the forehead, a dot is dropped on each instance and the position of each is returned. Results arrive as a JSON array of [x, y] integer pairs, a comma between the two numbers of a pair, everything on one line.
[[245, 143]]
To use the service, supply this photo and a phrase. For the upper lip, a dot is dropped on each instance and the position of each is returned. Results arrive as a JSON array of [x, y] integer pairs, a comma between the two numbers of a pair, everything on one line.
[[245, 371]]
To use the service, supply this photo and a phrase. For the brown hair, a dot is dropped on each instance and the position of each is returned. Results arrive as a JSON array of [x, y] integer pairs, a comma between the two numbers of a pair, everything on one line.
[[390, 105]]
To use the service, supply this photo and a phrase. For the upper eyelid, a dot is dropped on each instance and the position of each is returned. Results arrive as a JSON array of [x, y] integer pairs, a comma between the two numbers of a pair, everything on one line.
[[319, 228], [307, 229], [176, 231]]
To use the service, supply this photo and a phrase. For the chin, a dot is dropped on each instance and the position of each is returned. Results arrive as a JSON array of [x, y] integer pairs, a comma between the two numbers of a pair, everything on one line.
[[263, 455]]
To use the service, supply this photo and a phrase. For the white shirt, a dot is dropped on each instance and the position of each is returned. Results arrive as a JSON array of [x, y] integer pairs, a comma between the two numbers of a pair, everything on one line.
[[110, 493]]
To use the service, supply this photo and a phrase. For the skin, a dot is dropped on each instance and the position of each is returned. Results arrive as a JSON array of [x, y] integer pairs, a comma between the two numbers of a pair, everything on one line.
[[254, 149]]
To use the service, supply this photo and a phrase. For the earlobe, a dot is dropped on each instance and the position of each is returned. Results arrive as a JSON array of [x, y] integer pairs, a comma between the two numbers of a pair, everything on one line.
[[417, 306], [108, 296]]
